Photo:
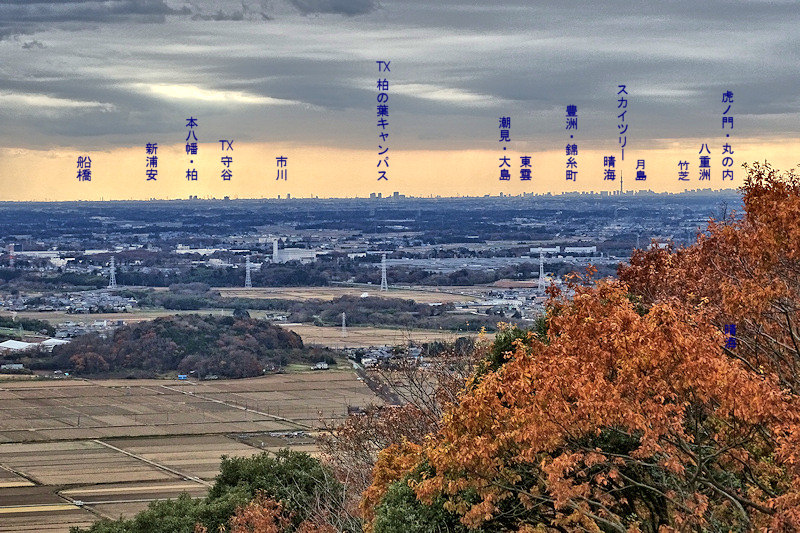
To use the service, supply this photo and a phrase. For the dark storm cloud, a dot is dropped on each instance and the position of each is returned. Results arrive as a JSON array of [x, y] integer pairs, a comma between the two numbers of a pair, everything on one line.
[[23, 17], [13, 12], [28, 45], [219, 16], [337, 7]]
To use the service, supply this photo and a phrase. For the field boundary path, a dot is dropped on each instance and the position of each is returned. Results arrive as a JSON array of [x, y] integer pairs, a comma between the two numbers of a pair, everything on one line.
[[165, 468], [240, 407]]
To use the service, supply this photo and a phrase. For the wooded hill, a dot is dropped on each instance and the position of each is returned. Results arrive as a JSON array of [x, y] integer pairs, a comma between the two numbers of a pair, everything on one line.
[[206, 345]]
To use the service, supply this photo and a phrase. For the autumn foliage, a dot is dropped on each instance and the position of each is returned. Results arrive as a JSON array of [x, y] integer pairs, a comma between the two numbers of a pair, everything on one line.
[[392, 465], [266, 515], [744, 271], [631, 413]]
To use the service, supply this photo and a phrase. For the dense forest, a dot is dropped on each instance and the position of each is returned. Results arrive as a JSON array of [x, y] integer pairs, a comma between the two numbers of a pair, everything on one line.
[[202, 345]]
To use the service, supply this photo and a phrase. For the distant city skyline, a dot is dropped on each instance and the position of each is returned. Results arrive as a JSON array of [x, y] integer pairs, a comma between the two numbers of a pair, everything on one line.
[[398, 196]]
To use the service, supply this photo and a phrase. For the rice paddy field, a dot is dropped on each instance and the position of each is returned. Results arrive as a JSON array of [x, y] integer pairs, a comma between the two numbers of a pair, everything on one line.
[[72, 451]]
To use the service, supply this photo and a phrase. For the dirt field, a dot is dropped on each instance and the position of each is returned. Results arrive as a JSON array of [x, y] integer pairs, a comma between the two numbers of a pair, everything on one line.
[[287, 293], [329, 293], [74, 450], [358, 337], [56, 317]]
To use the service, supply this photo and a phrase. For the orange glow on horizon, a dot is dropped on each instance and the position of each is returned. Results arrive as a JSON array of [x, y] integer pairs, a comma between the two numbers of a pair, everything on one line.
[[119, 174]]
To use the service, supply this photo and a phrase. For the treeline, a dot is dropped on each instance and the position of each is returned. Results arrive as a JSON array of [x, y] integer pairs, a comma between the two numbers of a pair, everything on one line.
[[204, 345], [366, 311], [14, 280], [27, 324], [374, 311], [320, 273], [325, 270], [269, 275]]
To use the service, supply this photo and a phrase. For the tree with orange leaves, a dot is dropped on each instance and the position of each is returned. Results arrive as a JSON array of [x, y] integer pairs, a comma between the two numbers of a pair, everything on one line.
[[266, 515], [620, 420], [745, 271], [633, 413]]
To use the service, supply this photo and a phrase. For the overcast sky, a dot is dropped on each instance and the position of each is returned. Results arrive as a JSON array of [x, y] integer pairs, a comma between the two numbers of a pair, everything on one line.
[[305, 70], [116, 73]]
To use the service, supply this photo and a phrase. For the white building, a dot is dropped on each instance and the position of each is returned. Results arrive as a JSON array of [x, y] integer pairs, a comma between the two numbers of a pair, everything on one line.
[[292, 254], [580, 250], [49, 344], [185, 249], [15, 346], [543, 250]]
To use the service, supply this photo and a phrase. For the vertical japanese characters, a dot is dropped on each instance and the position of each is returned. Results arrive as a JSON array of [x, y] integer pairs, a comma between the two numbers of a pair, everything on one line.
[[612, 162], [622, 127], [505, 137], [683, 170], [226, 145], [609, 167], [383, 120], [727, 151], [572, 147], [283, 172], [191, 147], [730, 331], [84, 165], [151, 161], [704, 164], [640, 170], [525, 168]]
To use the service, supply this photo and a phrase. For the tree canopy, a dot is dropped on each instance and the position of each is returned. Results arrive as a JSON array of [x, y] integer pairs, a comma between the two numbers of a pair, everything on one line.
[[225, 346], [635, 412]]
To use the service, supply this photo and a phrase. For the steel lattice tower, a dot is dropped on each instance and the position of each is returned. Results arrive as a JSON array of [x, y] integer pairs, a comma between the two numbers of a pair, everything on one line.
[[541, 271], [248, 283], [384, 284], [344, 325], [112, 277]]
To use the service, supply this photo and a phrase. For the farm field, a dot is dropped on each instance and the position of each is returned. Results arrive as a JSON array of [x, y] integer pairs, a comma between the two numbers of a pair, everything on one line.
[[137, 315], [330, 337], [75, 450], [285, 293], [362, 337], [329, 293]]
